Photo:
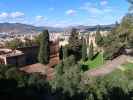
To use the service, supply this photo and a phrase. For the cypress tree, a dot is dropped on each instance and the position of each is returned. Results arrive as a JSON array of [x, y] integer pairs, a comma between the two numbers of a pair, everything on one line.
[[91, 51], [44, 51], [84, 50], [65, 52], [61, 52]]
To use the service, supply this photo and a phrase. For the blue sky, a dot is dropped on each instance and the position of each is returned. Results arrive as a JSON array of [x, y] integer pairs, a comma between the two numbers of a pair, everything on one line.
[[62, 12]]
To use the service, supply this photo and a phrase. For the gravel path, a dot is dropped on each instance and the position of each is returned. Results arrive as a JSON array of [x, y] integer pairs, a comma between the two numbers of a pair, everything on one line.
[[108, 67]]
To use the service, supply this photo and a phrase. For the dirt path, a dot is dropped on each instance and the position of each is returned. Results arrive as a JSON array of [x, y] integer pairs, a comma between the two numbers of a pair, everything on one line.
[[108, 67]]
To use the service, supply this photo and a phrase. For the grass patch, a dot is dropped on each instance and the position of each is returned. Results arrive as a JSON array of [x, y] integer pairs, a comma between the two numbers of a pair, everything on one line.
[[128, 65], [96, 62]]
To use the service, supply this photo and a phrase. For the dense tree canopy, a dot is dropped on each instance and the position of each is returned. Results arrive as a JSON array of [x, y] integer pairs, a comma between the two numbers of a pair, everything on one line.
[[67, 76], [68, 84], [18, 43], [15, 43], [16, 85], [120, 37]]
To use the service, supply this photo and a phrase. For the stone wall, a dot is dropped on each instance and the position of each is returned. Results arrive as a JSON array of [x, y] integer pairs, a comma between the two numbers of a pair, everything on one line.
[[31, 54], [16, 60]]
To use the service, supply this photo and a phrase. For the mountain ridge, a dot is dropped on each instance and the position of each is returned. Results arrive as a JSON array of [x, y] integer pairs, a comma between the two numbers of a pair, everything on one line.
[[19, 28]]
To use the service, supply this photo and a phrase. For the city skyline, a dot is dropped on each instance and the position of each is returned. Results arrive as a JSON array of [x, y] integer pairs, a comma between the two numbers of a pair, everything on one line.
[[62, 13]]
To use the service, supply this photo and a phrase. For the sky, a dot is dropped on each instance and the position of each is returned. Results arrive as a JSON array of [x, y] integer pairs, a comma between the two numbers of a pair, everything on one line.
[[62, 13]]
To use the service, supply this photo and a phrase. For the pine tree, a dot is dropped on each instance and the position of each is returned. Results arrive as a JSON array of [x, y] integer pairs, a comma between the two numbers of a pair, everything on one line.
[[84, 50], [99, 38], [91, 51], [44, 51], [75, 44], [74, 41]]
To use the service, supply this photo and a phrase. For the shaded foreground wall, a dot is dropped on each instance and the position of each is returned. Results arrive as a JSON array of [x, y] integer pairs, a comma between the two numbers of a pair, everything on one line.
[[31, 53]]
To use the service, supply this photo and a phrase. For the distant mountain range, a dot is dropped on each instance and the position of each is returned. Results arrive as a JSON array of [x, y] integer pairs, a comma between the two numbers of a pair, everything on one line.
[[19, 28]]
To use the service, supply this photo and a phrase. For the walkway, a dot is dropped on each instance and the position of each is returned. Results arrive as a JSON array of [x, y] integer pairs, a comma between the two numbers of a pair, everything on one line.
[[109, 67], [47, 70]]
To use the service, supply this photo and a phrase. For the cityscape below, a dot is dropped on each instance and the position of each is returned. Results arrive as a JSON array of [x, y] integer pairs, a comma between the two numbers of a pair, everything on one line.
[[66, 50]]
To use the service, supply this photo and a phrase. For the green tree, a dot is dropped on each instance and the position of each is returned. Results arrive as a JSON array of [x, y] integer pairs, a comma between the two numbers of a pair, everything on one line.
[[37, 39], [91, 51], [90, 97], [120, 37], [99, 38], [71, 80], [44, 52], [75, 46], [65, 52], [74, 40], [69, 62], [28, 42], [15, 43], [61, 52], [3, 70], [84, 50], [67, 76]]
